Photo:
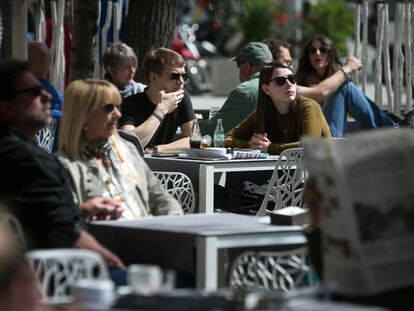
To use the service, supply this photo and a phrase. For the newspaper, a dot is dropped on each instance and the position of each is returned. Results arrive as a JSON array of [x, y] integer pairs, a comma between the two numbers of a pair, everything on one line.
[[367, 210]]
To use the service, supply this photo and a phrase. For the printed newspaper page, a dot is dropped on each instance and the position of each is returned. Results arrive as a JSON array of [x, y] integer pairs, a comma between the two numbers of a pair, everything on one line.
[[367, 184]]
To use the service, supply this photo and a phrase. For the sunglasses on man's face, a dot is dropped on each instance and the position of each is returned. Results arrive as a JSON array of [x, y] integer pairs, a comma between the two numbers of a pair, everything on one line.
[[34, 90], [281, 80], [176, 76], [322, 50], [109, 107]]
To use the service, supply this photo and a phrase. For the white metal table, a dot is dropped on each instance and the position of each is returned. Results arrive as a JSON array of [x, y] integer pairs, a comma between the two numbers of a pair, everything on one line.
[[206, 170], [169, 241]]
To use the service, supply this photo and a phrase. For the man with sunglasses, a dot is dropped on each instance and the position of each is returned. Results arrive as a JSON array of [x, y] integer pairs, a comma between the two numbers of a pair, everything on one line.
[[242, 99], [156, 114], [34, 185]]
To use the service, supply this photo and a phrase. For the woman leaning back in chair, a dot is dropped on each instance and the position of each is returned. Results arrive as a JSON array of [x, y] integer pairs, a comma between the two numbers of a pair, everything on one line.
[[281, 117], [101, 164]]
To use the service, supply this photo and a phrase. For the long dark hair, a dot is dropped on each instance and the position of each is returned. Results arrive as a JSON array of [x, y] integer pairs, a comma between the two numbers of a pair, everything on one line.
[[306, 75], [265, 106]]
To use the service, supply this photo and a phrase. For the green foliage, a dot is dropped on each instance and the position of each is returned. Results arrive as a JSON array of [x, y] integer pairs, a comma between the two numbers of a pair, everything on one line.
[[256, 20], [331, 18], [260, 19]]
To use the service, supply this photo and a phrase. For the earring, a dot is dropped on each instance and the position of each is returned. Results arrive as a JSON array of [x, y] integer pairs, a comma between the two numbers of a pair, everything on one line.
[[84, 128]]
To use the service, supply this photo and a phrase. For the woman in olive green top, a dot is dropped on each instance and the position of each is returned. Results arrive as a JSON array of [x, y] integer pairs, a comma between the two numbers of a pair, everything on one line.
[[281, 118]]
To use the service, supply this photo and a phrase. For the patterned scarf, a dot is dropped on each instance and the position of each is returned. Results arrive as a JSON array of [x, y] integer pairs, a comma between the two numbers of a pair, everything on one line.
[[101, 150]]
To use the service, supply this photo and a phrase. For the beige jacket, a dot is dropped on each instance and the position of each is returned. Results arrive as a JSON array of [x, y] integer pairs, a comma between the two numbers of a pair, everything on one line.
[[87, 184]]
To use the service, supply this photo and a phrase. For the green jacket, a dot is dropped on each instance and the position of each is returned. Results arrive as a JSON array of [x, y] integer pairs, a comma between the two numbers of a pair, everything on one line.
[[239, 104]]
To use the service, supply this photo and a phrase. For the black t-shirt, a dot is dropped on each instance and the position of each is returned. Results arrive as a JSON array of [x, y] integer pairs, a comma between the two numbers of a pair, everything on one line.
[[137, 108], [35, 187]]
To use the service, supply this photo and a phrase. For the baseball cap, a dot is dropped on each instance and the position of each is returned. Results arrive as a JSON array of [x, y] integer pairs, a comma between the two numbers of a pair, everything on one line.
[[255, 53]]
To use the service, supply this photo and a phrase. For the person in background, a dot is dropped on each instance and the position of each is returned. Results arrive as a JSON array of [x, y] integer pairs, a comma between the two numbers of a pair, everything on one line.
[[34, 185], [281, 117], [39, 60], [280, 50], [242, 99], [100, 162], [120, 63], [156, 114], [320, 61], [323, 89]]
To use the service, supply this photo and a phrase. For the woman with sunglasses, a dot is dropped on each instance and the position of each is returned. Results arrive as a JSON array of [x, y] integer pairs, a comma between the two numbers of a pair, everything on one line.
[[101, 164], [320, 61], [281, 117]]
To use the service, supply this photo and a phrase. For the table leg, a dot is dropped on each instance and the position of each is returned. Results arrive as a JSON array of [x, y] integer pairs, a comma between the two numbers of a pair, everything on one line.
[[206, 189], [206, 264]]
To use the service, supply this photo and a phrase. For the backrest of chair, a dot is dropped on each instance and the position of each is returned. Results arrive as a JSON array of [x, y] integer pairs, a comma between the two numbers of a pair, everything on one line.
[[291, 182], [180, 187], [10, 224], [45, 137], [133, 139], [287, 182], [57, 269], [271, 270]]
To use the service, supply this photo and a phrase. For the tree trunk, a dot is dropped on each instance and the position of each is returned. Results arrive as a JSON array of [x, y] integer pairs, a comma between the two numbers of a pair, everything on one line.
[[149, 25], [6, 31], [83, 38]]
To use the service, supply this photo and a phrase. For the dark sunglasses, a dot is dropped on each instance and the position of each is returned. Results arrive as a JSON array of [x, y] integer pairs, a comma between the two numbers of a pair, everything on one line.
[[322, 50], [34, 90], [176, 76], [282, 80], [109, 107]]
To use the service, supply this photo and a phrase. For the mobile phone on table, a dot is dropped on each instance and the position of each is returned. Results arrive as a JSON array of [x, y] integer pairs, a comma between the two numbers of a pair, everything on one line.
[[164, 155]]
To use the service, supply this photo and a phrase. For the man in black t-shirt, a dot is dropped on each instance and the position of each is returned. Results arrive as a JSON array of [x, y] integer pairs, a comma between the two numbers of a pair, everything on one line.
[[155, 114]]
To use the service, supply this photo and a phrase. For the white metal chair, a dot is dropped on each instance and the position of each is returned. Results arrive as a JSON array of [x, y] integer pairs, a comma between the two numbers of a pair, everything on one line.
[[271, 270], [287, 182], [180, 187], [57, 269], [10, 225]]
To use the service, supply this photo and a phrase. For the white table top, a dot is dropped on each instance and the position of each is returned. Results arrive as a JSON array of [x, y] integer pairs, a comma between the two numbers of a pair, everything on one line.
[[201, 224]]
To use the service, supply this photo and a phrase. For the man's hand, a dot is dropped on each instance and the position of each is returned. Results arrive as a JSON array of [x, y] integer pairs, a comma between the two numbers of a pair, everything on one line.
[[168, 102], [259, 142], [352, 64], [99, 208]]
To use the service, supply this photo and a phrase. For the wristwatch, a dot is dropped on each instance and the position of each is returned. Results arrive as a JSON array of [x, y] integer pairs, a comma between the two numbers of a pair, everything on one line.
[[154, 149]]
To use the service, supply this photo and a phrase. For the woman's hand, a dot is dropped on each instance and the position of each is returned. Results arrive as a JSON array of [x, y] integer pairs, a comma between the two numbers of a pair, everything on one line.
[[352, 64], [259, 142], [99, 208]]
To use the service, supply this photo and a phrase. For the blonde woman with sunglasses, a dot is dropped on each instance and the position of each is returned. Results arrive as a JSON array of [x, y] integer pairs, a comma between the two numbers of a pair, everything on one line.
[[101, 164], [320, 61], [281, 117]]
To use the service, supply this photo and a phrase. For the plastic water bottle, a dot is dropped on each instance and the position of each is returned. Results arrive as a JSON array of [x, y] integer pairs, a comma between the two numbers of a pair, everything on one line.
[[195, 135], [218, 139]]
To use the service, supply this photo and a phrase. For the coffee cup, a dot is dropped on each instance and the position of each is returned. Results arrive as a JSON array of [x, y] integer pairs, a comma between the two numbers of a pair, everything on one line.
[[144, 279], [93, 294]]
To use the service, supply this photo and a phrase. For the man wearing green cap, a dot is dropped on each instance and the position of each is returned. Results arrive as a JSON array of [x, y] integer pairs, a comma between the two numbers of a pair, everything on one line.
[[242, 99]]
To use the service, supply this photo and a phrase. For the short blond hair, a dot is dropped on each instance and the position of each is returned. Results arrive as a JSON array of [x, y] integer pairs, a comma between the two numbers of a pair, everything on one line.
[[81, 98]]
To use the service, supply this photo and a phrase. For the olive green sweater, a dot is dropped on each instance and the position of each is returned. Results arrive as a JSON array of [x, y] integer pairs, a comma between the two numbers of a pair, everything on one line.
[[284, 131]]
